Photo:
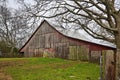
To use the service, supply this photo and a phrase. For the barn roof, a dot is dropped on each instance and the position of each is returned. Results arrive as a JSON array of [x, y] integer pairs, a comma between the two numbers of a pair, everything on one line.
[[70, 34], [81, 36]]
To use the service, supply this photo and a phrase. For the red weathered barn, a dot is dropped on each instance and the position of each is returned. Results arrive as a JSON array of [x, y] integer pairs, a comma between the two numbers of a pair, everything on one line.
[[48, 39]]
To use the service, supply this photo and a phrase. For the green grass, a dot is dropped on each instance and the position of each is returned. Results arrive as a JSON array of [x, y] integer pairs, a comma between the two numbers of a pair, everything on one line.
[[49, 69]]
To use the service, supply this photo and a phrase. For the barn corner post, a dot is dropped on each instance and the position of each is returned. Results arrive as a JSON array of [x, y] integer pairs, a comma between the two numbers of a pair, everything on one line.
[[114, 64]]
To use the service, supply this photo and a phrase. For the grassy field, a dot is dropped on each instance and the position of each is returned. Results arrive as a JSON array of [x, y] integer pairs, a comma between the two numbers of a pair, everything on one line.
[[46, 69]]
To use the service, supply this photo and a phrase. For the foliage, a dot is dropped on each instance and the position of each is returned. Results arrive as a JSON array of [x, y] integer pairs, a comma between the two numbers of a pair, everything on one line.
[[3, 47], [6, 49], [49, 69]]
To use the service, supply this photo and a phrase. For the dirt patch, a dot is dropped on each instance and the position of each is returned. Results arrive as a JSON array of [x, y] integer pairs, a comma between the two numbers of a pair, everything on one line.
[[4, 64], [7, 63], [5, 77]]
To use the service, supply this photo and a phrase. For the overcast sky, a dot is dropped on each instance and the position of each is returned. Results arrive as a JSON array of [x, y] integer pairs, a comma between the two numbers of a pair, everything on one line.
[[14, 4]]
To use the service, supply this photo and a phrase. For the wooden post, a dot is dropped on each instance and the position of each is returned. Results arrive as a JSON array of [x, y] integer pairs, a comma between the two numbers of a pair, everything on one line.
[[115, 54], [101, 75]]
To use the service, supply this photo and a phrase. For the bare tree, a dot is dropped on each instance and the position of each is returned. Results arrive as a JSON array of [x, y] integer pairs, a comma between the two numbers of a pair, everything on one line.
[[99, 18], [12, 27]]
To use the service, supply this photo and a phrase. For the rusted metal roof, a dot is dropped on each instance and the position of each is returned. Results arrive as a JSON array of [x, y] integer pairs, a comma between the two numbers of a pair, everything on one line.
[[82, 36]]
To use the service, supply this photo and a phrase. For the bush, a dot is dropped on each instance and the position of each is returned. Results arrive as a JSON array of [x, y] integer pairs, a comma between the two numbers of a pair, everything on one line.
[[6, 50]]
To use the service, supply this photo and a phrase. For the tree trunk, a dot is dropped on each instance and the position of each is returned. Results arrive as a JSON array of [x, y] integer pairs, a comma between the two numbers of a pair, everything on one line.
[[117, 37], [118, 64], [12, 52], [117, 42]]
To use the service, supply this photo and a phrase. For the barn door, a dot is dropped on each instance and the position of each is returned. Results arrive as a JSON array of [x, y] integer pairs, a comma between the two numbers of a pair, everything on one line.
[[78, 53], [95, 56], [47, 41]]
